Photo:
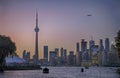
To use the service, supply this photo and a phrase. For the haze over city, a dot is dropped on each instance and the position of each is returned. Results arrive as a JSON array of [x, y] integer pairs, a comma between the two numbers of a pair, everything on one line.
[[62, 23]]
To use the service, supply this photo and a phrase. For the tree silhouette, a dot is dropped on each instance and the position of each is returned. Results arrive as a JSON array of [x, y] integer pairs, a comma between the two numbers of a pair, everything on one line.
[[117, 40], [7, 47]]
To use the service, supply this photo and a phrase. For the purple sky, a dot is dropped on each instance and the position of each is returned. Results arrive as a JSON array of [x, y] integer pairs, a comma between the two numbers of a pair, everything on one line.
[[62, 23]]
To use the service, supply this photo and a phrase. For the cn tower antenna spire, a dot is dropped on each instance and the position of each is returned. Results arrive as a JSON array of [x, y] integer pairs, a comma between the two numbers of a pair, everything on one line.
[[36, 18]]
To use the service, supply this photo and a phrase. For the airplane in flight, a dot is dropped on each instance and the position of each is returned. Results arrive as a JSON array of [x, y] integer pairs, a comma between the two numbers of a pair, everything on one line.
[[89, 15]]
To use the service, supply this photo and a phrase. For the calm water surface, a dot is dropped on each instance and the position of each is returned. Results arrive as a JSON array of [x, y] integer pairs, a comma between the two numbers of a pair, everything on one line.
[[64, 72]]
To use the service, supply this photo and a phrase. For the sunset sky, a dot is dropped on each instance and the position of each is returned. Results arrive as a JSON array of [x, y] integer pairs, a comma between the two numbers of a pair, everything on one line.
[[62, 23]]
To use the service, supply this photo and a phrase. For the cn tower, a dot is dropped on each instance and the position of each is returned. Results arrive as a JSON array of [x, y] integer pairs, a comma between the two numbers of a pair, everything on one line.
[[36, 39]]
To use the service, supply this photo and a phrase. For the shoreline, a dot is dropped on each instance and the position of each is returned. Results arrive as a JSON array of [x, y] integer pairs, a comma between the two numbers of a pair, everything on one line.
[[34, 67]]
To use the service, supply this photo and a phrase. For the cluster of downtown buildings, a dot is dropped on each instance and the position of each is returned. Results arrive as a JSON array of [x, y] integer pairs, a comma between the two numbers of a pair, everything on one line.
[[102, 54]]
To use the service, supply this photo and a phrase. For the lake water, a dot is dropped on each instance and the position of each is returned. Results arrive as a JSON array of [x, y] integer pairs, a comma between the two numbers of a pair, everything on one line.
[[64, 72]]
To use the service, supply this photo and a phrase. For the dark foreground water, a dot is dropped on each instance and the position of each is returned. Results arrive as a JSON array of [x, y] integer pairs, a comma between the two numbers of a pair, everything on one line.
[[64, 72]]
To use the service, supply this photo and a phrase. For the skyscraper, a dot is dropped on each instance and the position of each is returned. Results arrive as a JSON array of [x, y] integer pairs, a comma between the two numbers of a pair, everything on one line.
[[24, 54], [71, 58], [46, 53], [36, 39], [65, 56], [91, 46], [114, 54], [83, 45], [107, 45], [101, 49], [61, 52], [28, 56], [77, 47], [107, 49], [77, 53], [57, 52], [52, 58]]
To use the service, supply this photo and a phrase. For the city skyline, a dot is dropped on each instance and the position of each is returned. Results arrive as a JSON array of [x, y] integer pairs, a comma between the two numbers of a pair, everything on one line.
[[61, 23]]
